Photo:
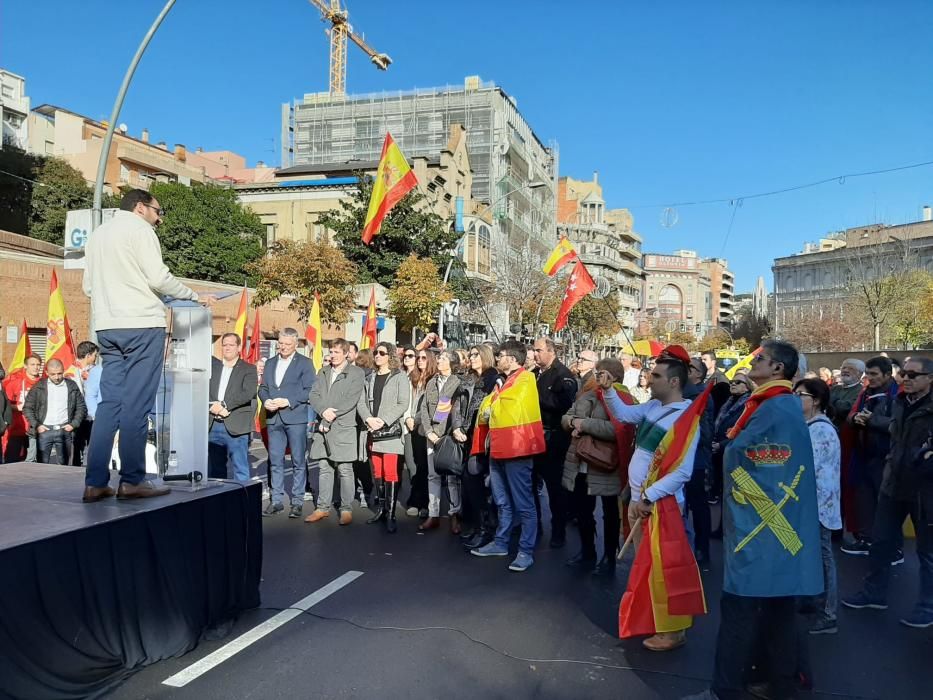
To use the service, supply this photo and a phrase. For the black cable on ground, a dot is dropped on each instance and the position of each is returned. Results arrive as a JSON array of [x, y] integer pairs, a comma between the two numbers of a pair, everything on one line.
[[578, 662]]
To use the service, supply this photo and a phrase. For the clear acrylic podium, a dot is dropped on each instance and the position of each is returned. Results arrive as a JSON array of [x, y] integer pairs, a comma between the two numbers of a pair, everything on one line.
[[184, 390]]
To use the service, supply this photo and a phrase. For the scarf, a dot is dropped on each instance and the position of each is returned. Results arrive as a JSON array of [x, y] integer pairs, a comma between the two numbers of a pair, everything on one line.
[[766, 391], [624, 432]]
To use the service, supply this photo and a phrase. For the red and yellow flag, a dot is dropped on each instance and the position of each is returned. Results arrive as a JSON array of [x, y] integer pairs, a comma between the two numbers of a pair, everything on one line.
[[513, 426], [394, 179], [252, 355], [59, 344], [664, 589], [369, 324], [579, 284], [742, 365], [560, 256], [240, 326], [23, 350], [313, 334]]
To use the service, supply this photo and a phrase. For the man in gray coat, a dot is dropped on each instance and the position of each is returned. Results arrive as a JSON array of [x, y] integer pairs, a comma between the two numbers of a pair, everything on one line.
[[334, 398]]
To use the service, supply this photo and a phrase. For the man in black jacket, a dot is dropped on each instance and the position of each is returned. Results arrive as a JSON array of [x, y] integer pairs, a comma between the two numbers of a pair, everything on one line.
[[232, 410], [695, 491], [557, 389], [54, 409], [907, 489]]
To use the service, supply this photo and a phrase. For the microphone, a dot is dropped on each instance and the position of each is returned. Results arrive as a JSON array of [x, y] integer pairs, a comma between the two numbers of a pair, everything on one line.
[[192, 477]]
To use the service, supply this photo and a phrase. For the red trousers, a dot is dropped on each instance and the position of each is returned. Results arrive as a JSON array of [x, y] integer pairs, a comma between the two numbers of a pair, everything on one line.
[[385, 466]]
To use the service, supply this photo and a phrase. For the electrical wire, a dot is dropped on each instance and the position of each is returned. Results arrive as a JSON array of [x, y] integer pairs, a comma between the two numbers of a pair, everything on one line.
[[24, 179], [514, 657]]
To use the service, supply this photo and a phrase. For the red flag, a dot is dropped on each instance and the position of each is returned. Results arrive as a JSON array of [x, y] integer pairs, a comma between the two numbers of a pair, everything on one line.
[[579, 284], [252, 355], [369, 325], [664, 589]]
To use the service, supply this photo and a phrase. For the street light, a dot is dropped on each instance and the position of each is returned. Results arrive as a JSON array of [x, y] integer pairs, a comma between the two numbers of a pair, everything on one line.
[[533, 185]]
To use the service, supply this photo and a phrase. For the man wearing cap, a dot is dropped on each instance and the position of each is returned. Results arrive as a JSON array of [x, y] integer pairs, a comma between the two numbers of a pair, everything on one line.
[[654, 419]]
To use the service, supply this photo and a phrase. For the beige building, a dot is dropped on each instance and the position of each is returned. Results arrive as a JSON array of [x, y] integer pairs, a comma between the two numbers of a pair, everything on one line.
[[14, 111], [677, 294], [722, 289], [605, 241], [132, 162]]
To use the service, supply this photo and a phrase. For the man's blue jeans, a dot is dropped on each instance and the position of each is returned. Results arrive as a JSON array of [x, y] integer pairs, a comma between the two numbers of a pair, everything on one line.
[[511, 491], [220, 445], [132, 363], [295, 436], [886, 534], [59, 439]]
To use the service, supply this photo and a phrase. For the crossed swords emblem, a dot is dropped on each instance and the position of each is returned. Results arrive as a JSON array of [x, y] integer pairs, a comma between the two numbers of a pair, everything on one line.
[[747, 490]]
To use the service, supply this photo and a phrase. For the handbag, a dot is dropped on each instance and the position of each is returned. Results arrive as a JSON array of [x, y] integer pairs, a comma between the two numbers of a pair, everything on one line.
[[448, 456], [393, 431], [599, 455]]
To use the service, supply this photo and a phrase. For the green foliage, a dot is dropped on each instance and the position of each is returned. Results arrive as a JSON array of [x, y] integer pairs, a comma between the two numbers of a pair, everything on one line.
[[206, 234], [417, 293], [409, 229], [300, 270], [62, 188], [594, 320], [752, 329], [911, 322], [16, 189]]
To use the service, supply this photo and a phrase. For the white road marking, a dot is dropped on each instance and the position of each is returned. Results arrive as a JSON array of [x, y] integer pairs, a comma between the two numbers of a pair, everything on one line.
[[201, 667]]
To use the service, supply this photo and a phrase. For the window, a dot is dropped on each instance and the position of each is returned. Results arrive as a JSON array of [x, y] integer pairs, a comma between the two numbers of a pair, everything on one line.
[[8, 91], [124, 173], [671, 301]]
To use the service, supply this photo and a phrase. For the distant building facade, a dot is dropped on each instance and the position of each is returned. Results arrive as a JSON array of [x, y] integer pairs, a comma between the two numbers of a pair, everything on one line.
[[14, 111], [722, 290], [678, 294]]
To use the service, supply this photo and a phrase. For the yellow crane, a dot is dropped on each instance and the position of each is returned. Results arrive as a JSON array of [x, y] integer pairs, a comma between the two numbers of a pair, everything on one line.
[[340, 31]]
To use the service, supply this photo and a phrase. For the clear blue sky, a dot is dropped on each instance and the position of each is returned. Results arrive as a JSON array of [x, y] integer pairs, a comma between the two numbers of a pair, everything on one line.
[[670, 102]]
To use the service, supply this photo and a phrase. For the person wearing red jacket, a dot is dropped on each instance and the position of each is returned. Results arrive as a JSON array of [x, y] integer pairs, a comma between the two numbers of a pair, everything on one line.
[[18, 446]]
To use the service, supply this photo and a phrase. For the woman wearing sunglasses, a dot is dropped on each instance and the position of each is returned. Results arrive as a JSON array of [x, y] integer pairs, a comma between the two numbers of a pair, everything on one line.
[[382, 406], [815, 401], [424, 372], [441, 400]]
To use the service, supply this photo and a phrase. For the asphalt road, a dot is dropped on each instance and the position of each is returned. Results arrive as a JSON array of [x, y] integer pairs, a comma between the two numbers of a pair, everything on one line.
[[412, 580]]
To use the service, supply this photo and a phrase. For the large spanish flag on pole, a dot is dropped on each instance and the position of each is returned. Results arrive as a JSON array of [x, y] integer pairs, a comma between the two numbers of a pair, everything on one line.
[[60, 345], [664, 589], [514, 424], [369, 324], [240, 326], [23, 350], [313, 334], [252, 355], [394, 179], [560, 256]]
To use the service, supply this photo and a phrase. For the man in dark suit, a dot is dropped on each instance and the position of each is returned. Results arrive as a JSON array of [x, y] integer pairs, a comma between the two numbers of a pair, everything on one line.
[[232, 392], [286, 383]]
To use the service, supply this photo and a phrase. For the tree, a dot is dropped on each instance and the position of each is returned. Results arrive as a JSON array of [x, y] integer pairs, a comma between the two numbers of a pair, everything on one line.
[[593, 320], [911, 322], [16, 187], [409, 229], [752, 328], [833, 328], [61, 188], [521, 284], [206, 233], [417, 293], [300, 270]]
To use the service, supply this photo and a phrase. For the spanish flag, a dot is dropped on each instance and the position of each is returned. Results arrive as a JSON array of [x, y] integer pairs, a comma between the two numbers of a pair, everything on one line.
[[313, 334], [744, 364], [394, 179], [510, 418], [369, 324], [59, 345], [560, 256], [252, 355], [664, 589], [23, 350], [240, 326]]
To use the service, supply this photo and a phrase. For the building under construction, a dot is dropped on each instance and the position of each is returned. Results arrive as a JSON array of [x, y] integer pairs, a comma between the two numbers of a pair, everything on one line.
[[512, 168]]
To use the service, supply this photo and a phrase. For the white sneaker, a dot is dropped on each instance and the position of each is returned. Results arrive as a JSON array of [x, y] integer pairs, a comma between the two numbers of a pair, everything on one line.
[[412, 512], [266, 493]]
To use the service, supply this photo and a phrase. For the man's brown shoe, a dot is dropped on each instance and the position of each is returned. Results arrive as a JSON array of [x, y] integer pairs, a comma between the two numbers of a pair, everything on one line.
[[144, 489], [456, 526], [92, 494], [432, 523], [346, 517], [317, 516], [665, 641]]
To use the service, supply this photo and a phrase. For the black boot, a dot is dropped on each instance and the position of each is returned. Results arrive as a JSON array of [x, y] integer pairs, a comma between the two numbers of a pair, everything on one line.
[[581, 560], [390, 502], [606, 566], [381, 513]]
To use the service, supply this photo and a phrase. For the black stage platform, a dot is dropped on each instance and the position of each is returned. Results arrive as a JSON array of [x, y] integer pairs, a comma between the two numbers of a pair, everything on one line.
[[91, 592]]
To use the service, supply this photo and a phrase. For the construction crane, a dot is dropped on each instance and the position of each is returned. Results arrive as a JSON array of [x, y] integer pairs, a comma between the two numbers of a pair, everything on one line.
[[340, 31]]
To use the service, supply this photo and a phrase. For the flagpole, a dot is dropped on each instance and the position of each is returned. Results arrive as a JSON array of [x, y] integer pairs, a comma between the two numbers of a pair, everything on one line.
[[621, 327], [628, 541]]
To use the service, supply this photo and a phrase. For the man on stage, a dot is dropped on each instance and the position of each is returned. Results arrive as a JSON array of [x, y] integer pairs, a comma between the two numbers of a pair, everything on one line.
[[771, 533], [126, 280]]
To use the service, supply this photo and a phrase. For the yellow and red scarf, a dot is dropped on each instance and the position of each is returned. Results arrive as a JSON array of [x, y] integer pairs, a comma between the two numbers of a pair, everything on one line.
[[766, 391]]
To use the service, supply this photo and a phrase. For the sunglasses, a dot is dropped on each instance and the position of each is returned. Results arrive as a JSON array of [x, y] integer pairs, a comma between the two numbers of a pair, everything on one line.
[[910, 374], [803, 393], [739, 384], [759, 358], [409, 356], [473, 354], [381, 353]]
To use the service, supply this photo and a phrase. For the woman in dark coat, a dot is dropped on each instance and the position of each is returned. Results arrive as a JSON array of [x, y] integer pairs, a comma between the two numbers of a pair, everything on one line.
[[740, 389]]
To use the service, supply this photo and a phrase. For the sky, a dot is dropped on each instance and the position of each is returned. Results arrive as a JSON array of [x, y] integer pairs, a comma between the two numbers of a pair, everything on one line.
[[670, 102]]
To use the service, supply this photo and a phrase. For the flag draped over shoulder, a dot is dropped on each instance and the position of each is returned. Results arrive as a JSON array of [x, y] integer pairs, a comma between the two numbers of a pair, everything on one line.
[[23, 350], [664, 589], [59, 345], [560, 256], [513, 426], [394, 179], [239, 327], [313, 334], [369, 323], [579, 284]]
